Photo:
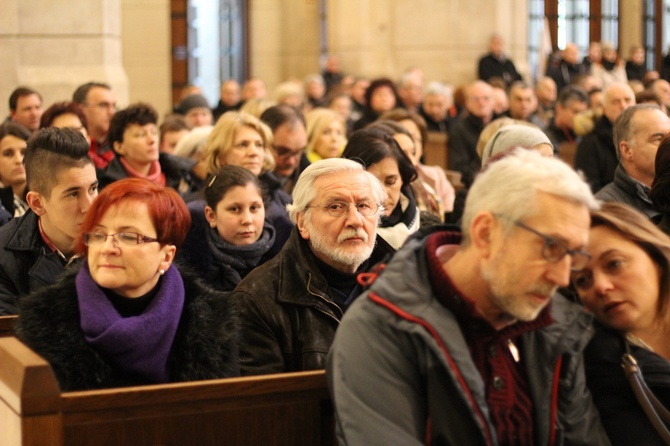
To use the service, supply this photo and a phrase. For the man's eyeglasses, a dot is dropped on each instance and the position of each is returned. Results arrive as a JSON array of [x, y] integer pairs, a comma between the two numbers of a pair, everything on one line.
[[340, 208], [554, 250], [285, 154], [120, 238]]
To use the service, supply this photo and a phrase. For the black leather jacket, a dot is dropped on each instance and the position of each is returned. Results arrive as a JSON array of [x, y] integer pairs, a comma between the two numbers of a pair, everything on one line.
[[288, 317]]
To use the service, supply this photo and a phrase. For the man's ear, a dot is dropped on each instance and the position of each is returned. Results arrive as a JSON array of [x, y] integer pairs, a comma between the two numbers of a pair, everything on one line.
[[483, 231], [118, 148], [302, 227], [36, 203], [626, 150]]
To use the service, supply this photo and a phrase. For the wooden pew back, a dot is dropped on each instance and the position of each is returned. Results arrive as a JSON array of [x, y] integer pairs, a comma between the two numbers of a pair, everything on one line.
[[436, 150], [292, 408], [7, 325]]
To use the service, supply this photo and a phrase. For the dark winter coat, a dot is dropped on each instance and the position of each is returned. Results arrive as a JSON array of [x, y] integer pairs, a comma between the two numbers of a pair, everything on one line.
[[624, 189], [26, 262], [177, 173], [287, 312], [205, 344], [596, 155], [620, 413]]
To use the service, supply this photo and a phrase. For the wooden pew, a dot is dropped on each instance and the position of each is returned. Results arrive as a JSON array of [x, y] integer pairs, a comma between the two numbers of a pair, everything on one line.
[[567, 151], [7, 325], [436, 150], [286, 409]]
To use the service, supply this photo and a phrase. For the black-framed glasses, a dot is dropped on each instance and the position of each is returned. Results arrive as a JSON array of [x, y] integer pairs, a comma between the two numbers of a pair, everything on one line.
[[339, 208], [554, 250], [120, 238]]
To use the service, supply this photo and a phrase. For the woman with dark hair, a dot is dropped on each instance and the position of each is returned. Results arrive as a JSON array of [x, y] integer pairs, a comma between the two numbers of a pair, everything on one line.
[[128, 316], [133, 134], [659, 193], [432, 177], [13, 143], [381, 96], [381, 155], [65, 114], [626, 285], [232, 236]]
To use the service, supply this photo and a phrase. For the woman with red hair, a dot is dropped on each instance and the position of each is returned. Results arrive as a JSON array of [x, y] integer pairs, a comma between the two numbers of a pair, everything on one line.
[[128, 316]]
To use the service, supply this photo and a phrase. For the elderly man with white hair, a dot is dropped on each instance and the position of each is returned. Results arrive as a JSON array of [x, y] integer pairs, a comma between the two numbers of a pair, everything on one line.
[[292, 305]]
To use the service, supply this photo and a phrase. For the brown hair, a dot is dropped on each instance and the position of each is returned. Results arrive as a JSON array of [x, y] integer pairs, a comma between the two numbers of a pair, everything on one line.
[[636, 228]]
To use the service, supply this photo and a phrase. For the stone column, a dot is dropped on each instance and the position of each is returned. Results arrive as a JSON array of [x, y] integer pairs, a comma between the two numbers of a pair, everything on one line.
[[54, 46]]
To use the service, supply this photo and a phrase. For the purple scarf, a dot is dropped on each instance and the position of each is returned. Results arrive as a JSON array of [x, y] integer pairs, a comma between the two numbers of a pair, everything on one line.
[[139, 345]]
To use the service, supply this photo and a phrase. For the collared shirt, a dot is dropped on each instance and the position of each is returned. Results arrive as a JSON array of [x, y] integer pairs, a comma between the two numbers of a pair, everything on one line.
[[495, 353], [53, 247]]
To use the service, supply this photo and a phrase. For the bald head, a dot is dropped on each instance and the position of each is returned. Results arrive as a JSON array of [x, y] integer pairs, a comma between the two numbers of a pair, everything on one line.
[[479, 100], [571, 53], [616, 98]]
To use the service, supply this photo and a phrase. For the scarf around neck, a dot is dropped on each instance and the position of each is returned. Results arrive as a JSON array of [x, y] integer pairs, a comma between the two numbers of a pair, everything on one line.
[[138, 345], [155, 174], [240, 258]]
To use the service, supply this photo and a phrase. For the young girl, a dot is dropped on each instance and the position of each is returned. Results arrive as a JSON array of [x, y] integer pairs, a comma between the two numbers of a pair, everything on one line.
[[230, 237]]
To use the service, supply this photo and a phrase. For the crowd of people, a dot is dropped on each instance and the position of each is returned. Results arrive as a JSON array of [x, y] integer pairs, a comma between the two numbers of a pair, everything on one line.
[[302, 230]]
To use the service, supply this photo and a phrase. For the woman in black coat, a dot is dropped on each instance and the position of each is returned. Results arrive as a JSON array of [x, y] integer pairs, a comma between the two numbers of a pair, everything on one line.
[[627, 287], [128, 316]]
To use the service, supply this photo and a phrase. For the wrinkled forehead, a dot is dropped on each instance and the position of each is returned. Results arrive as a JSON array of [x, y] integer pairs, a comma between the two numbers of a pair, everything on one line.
[[345, 184]]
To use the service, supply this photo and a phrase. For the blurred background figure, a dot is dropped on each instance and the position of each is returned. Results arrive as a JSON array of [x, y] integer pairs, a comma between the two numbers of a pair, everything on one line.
[[172, 130], [14, 187], [326, 134]]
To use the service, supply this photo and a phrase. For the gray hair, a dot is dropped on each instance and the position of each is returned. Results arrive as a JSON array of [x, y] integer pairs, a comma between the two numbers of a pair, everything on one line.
[[304, 191], [438, 89], [508, 186], [623, 130]]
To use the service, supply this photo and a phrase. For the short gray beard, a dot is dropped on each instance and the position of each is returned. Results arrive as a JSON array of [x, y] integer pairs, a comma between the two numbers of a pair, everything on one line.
[[337, 254]]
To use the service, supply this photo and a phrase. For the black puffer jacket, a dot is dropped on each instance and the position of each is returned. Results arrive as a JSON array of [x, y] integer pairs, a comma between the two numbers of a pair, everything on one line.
[[205, 345]]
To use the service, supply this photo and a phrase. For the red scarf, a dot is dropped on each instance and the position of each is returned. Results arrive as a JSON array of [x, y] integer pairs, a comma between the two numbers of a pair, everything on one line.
[[155, 175]]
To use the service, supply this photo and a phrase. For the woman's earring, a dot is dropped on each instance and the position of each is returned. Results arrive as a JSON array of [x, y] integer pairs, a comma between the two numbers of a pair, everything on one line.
[[161, 271]]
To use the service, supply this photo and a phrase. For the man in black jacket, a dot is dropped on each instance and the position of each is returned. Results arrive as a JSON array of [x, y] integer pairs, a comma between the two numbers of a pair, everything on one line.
[[637, 134], [495, 65], [478, 112], [596, 153], [292, 305], [37, 247]]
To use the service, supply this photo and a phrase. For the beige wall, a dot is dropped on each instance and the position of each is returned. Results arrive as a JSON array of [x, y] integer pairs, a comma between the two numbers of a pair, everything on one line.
[[383, 37], [55, 45], [145, 27]]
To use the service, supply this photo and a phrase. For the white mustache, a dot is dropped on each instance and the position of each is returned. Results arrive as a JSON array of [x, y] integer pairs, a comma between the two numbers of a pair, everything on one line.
[[352, 233]]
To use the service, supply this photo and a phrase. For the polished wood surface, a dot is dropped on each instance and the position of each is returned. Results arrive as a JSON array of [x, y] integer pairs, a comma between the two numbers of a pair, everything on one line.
[[283, 409], [436, 150]]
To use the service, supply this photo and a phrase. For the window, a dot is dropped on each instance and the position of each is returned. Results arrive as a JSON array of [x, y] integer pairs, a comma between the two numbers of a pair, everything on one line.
[[576, 21], [209, 45]]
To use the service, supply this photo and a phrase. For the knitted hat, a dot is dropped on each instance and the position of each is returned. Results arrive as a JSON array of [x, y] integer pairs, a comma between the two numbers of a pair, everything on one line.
[[192, 101], [511, 136]]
